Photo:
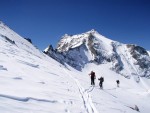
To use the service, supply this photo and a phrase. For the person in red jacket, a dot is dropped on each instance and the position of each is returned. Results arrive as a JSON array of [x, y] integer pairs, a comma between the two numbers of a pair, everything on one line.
[[93, 77]]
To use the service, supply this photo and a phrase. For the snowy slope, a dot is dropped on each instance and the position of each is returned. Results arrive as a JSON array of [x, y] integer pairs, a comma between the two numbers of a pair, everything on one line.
[[32, 82], [117, 100], [10, 36]]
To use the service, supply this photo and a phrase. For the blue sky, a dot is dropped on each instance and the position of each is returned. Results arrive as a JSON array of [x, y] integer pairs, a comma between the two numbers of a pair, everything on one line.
[[45, 21]]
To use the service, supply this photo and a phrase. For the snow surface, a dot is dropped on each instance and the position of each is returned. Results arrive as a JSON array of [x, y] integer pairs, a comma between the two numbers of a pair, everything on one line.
[[127, 60], [32, 82], [148, 52]]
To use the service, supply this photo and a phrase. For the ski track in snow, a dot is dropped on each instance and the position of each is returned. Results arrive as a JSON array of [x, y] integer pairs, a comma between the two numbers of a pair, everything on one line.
[[87, 100], [90, 89]]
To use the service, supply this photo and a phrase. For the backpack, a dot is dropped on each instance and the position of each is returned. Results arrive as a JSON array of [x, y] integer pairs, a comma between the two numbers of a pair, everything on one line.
[[93, 75], [101, 79], [117, 81]]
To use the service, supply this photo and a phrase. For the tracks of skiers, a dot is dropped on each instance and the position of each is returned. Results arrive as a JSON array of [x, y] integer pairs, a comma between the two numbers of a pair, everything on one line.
[[86, 97], [87, 100]]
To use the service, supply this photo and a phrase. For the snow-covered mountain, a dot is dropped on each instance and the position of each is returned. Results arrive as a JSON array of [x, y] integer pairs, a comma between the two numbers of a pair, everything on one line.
[[32, 82], [91, 47]]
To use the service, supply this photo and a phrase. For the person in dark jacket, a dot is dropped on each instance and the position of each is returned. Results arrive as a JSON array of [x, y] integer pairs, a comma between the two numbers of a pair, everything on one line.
[[93, 77], [101, 79], [118, 82]]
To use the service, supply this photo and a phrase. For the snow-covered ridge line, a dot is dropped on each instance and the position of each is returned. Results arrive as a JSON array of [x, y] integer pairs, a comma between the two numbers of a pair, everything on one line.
[[12, 37]]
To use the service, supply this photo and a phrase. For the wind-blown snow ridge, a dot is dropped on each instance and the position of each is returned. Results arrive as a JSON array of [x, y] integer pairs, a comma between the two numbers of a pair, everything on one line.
[[29, 64], [2, 68], [26, 99]]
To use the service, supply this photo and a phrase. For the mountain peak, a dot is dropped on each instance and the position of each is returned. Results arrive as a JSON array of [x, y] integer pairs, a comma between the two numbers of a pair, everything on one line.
[[72, 41], [91, 31]]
